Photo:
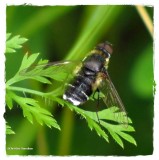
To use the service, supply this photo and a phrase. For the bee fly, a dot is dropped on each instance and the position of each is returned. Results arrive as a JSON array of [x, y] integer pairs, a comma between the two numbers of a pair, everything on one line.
[[91, 74], [88, 77]]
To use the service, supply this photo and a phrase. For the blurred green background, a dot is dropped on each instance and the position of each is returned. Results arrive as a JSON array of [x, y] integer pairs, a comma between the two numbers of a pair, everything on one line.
[[69, 32]]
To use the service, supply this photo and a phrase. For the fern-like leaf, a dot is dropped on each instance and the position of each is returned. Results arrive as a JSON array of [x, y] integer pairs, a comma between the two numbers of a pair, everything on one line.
[[14, 43], [106, 116], [32, 109], [116, 130]]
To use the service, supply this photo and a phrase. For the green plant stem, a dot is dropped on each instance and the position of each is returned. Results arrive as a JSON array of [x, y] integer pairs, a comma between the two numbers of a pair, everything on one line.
[[66, 134], [12, 81], [42, 146], [146, 19], [20, 89]]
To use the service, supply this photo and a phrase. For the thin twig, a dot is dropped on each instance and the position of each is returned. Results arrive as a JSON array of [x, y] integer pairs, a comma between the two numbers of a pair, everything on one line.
[[146, 18]]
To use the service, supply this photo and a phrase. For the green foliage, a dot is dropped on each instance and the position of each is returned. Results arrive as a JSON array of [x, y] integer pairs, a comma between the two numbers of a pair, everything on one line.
[[32, 109], [29, 106], [116, 130], [14, 43]]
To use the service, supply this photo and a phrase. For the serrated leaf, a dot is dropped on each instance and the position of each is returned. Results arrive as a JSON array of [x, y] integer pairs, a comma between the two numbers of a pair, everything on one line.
[[9, 130], [59, 71], [41, 72], [32, 109], [119, 130], [116, 130], [28, 60], [28, 115], [128, 137], [116, 137], [113, 114], [14, 43], [91, 123]]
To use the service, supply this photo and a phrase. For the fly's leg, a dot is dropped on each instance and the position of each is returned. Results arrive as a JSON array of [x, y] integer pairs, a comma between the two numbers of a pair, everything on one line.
[[97, 108]]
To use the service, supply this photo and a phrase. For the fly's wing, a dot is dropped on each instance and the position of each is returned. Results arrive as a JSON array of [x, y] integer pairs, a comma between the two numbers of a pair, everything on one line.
[[112, 100], [60, 70]]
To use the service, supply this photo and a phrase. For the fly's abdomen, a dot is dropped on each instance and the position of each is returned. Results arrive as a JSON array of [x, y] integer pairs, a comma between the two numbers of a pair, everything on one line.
[[79, 91]]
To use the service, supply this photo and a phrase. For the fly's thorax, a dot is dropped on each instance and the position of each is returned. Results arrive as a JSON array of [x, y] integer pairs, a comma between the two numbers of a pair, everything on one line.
[[94, 52], [97, 51], [94, 62]]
